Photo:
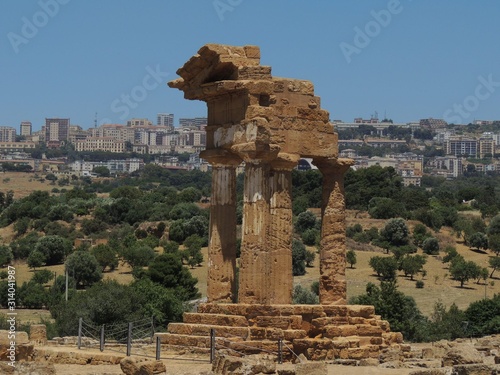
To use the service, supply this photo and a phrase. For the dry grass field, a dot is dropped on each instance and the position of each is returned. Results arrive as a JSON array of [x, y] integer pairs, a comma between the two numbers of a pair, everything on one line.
[[23, 184]]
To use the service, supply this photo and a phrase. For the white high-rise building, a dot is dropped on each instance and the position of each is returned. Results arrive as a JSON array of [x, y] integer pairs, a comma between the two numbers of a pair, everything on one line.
[[165, 119]]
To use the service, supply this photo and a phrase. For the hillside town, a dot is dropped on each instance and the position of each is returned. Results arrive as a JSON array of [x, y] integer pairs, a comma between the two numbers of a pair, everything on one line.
[[426, 147]]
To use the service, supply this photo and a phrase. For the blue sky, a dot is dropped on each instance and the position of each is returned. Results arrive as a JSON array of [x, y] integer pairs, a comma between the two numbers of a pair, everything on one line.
[[408, 59]]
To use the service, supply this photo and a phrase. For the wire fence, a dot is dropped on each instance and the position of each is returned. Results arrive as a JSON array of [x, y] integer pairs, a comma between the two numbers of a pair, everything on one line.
[[138, 337], [119, 337]]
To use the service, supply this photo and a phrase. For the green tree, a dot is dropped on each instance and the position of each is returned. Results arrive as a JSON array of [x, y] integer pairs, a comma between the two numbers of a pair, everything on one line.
[[190, 194], [32, 295], [400, 310], [51, 177], [479, 241], [420, 233], [103, 303], [463, 271], [54, 248], [396, 232], [298, 258], [159, 302], [351, 258], [494, 227], [431, 246], [311, 237], [21, 226], [36, 259], [42, 276], [483, 316], [167, 270], [303, 296], [305, 220], [494, 263], [353, 230], [384, 267], [138, 255], [84, 268], [5, 255], [413, 264], [309, 258], [106, 256], [494, 243], [447, 325], [101, 171], [385, 208], [451, 253]]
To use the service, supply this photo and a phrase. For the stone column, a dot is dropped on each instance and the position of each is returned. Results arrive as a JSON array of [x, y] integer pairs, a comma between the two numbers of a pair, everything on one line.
[[332, 283], [254, 260], [221, 281], [281, 230]]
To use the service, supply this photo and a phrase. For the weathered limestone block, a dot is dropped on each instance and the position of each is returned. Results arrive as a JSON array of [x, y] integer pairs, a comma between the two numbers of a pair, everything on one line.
[[204, 330], [314, 349], [28, 368], [473, 369], [141, 366], [368, 330], [17, 344], [254, 364], [38, 334], [431, 372], [215, 319], [311, 368], [462, 355], [185, 340], [282, 322]]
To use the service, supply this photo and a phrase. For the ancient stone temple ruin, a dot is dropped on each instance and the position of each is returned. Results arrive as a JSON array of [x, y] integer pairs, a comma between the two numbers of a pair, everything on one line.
[[269, 123]]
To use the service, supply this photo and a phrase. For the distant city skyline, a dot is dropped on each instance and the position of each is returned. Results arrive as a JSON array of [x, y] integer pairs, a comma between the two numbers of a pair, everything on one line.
[[406, 59]]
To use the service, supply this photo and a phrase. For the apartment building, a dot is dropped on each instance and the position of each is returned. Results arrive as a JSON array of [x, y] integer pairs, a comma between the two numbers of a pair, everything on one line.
[[139, 122], [100, 144], [165, 119], [486, 147], [447, 166], [25, 128], [462, 146], [7, 134], [7, 147], [56, 130], [433, 123]]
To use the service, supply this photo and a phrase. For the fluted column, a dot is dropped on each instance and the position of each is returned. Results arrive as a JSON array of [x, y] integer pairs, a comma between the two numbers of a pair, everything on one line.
[[332, 283], [281, 230], [254, 260], [221, 281]]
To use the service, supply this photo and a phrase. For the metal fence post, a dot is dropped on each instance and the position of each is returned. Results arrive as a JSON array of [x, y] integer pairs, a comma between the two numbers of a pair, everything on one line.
[[280, 351], [212, 345], [158, 347], [80, 322], [101, 343], [152, 329], [129, 339]]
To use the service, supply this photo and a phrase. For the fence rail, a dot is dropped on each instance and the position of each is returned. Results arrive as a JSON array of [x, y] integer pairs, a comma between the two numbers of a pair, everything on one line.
[[123, 337]]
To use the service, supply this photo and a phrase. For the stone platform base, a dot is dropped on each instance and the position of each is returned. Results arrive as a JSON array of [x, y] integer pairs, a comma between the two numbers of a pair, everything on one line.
[[320, 332]]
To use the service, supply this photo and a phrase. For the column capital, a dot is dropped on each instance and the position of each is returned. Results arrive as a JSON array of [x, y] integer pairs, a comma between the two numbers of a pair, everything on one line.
[[220, 157], [341, 165], [285, 161], [256, 152]]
